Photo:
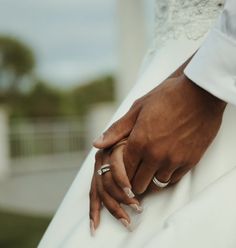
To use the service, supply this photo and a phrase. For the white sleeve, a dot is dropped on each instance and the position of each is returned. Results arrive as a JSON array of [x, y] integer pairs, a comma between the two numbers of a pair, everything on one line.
[[213, 67]]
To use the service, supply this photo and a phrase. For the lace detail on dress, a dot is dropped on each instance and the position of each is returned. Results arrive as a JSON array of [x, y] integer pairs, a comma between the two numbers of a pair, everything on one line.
[[190, 18]]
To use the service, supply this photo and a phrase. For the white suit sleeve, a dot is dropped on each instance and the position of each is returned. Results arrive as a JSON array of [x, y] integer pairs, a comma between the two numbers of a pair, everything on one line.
[[213, 67]]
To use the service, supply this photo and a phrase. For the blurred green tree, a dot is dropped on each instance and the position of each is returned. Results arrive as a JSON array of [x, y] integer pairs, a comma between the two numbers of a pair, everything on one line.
[[97, 91], [16, 61], [45, 101], [41, 101]]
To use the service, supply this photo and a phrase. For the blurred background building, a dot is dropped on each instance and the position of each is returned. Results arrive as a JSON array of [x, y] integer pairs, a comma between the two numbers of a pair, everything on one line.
[[64, 68]]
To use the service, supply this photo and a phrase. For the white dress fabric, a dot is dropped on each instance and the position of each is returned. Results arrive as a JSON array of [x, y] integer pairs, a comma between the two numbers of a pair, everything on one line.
[[199, 211]]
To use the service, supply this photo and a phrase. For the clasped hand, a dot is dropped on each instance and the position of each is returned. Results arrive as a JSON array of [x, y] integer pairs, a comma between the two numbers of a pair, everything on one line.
[[167, 131]]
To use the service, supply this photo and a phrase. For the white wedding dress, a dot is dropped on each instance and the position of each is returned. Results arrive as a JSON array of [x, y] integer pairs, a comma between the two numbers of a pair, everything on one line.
[[199, 211]]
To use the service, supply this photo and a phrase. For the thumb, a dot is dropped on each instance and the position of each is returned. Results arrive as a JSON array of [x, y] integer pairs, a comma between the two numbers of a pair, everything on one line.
[[118, 130]]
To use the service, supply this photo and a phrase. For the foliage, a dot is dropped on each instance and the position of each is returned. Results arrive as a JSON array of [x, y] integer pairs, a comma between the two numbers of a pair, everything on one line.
[[97, 91], [45, 101], [16, 61], [41, 101], [21, 231]]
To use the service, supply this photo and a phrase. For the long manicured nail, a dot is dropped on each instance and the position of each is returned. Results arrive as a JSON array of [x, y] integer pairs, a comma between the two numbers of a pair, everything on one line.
[[126, 224], [137, 208], [129, 192], [99, 139], [92, 229]]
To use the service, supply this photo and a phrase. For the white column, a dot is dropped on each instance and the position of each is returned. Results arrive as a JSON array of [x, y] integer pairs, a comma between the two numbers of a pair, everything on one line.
[[132, 45], [4, 144]]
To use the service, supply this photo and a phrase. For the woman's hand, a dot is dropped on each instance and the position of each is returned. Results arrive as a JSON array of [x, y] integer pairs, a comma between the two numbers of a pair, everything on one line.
[[104, 189]]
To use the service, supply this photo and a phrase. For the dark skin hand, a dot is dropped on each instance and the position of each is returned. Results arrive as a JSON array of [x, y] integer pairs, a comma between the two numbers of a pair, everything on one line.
[[105, 190], [168, 130]]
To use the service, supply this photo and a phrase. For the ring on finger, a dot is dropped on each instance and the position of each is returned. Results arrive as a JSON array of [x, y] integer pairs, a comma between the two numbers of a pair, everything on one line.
[[103, 169], [159, 183]]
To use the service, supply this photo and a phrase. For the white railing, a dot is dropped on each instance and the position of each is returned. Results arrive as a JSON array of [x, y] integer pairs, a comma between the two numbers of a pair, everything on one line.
[[37, 137]]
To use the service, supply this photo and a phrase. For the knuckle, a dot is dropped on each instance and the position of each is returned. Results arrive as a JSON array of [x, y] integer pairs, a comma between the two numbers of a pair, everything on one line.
[[175, 160], [155, 155]]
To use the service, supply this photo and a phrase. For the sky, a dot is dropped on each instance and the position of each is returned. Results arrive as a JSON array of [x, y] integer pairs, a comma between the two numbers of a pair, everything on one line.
[[73, 40]]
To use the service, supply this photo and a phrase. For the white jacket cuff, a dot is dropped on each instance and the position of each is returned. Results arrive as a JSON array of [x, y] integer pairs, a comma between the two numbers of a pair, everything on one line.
[[213, 67]]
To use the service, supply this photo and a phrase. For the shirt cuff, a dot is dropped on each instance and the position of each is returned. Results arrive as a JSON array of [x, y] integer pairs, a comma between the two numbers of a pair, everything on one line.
[[213, 67]]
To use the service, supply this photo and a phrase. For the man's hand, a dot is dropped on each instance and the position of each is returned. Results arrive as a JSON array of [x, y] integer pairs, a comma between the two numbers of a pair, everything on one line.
[[169, 130]]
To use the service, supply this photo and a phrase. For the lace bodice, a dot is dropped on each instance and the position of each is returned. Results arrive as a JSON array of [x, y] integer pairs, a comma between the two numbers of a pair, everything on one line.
[[189, 18]]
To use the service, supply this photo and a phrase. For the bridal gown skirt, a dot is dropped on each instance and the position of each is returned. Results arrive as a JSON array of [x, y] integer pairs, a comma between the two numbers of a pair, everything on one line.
[[199, 211]]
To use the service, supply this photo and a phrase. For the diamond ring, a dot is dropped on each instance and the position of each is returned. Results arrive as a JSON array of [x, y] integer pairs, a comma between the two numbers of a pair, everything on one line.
[[103, 169]]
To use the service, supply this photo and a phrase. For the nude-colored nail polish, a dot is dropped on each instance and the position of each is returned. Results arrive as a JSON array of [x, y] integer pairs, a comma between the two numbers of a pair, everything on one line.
[[137, 208], [92, 229], [129, 192], [126, 224]]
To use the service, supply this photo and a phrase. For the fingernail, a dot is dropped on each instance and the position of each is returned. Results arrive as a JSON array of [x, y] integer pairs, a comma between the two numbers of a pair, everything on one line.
[[126, 224], [99, 139], [129, 192], [137, 208], [92, 229]]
